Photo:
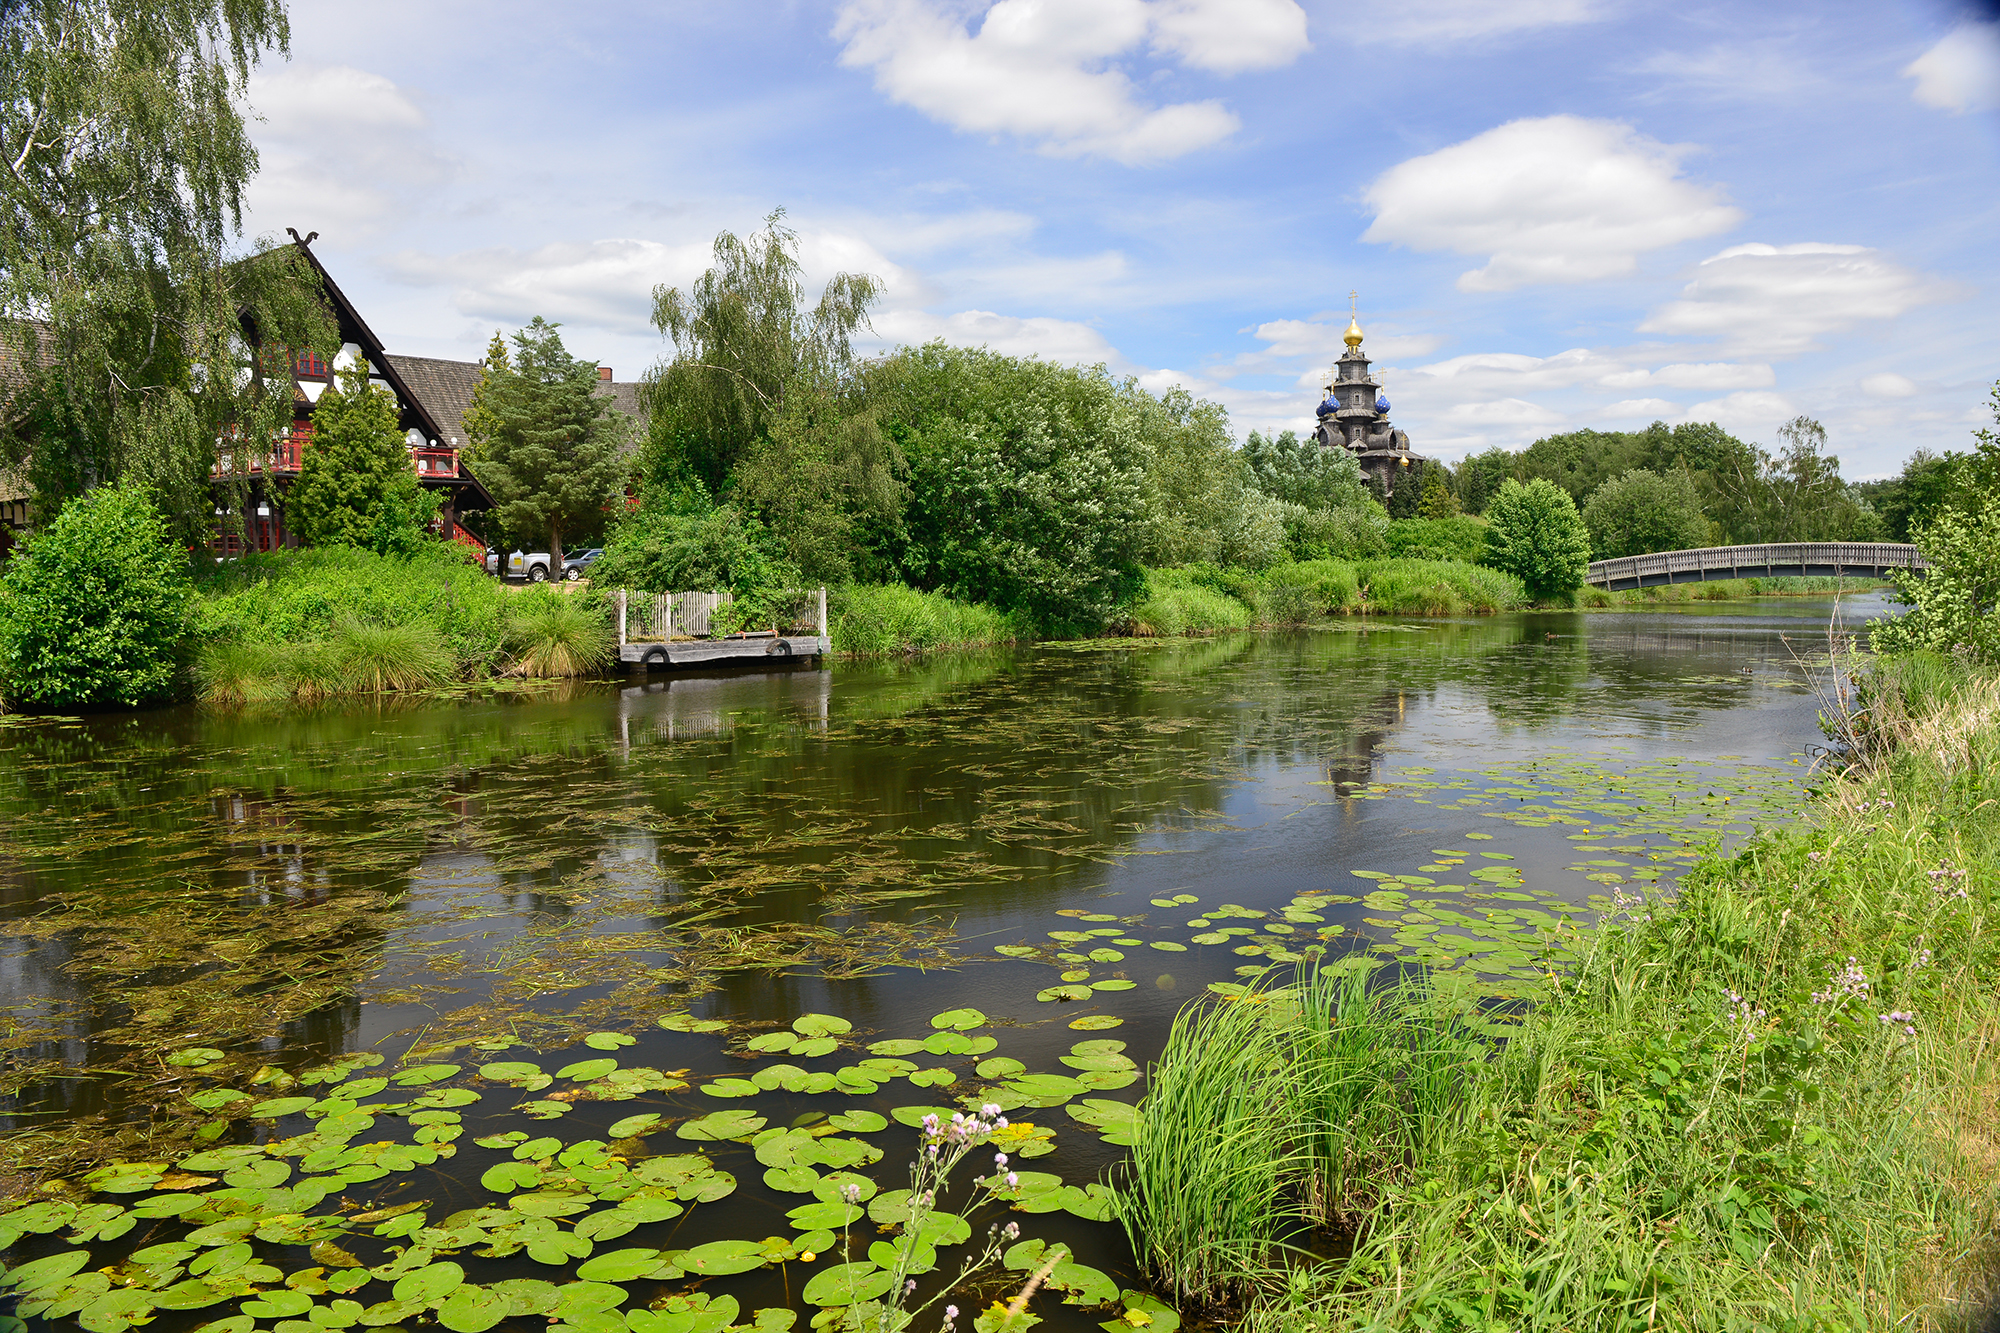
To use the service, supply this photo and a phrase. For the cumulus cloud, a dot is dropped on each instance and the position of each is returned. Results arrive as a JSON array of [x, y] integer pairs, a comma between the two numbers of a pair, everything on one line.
[[1505, 412], [1639, 409], [1561, 199], [1322, 340], [1042, 70], [342, 151], [1705, 375], [1776, 300], [1962, 72], [1749, 415], [1063, 340], [1888, 385], [605, 284]]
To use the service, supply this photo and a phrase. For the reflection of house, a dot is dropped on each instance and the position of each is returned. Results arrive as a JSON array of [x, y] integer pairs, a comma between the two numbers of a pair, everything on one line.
[[434, 450]]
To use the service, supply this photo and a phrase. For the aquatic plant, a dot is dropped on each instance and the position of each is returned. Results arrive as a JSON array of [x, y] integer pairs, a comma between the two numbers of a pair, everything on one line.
[[237, 673], [554, 634], [1436, 588], [1174, 602], [374, 659], [871, 620]]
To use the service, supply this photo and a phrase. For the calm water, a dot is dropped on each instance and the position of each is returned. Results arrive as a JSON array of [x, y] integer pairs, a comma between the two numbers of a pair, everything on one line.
[[492, 879]]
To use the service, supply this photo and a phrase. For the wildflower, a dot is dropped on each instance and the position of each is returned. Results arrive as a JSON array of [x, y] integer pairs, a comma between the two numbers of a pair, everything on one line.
[[1013, 1180], [910, 1287], [990, 1110], [1813, 856], [1843, 982], [851, 1194], [1012, 1231], [807, 1256], [999, 1161]]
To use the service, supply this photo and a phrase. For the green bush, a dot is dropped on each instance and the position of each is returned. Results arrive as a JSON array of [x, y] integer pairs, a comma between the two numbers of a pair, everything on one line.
[[375, 659], [94, 610], [872, 620], [708, 552], [1641, 512], [1355, 532], [1537, 536], [554, 634], [1327, 587], [1460, 537], [1180, 601], [356, 486], [1436, 588], [1953, 605]]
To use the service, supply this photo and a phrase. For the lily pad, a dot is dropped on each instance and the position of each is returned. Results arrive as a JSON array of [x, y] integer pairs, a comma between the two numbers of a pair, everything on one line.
[[959, 1019], [847, 1284]]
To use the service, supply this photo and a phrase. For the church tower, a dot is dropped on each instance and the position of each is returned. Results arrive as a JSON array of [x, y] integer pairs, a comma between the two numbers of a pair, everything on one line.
[[1355, 416]]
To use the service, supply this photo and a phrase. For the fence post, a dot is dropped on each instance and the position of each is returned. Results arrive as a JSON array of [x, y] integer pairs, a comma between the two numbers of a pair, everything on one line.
[[622, 596], [822, 612]]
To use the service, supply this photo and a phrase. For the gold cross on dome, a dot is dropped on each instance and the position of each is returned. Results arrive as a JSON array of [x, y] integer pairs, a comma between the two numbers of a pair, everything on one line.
[[1352, 297]]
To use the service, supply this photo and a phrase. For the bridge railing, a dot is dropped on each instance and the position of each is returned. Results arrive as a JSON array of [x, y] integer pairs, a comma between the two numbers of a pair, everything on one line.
[[1779, 558]]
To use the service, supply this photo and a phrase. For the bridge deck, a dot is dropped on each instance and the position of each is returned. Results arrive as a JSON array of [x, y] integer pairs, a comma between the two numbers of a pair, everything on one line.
[[1783, 560]]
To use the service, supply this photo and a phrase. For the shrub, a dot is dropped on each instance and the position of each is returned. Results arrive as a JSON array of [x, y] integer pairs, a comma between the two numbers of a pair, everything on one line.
[[95, 610], [660, 552], [1436, 588], [1641, 512], [1952, 604], [374, 659], [554, 634], [1460, 537], [1538, 537], [874, 620], [1328, 587], [1175, 604], [1356, 532]]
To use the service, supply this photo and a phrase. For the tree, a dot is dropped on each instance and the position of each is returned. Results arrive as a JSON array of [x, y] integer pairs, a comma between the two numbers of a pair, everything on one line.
[[549, 448], [708, 552], [1438, 499], [1537, 536], [1955, 605], [94, 609], [356, 484], [1641, 512], [1581, 460], [1480, 475], [1202, 501], [1303, 472], [744, 341], [122, 313]]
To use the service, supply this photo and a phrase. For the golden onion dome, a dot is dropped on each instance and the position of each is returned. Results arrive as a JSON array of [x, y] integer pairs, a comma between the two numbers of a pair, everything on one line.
[[1353, 336]]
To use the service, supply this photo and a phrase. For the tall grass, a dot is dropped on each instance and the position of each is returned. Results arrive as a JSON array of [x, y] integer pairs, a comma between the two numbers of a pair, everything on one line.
[[1723, 590], [553, 635], [1436, 588], [1185, 601], [1773, 1103], [883, 619]]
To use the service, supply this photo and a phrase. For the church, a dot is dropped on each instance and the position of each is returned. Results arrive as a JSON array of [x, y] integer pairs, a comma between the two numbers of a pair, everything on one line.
[[1355, 417]]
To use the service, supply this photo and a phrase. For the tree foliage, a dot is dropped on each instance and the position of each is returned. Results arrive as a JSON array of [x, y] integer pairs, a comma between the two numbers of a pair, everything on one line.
[[744, 343], [122, 312], [548, 446], [94, 609], [710, 552], [1538, 536], [1955, 605], [1641, 512], [1437, 498], [1303, 472], [356, 485]]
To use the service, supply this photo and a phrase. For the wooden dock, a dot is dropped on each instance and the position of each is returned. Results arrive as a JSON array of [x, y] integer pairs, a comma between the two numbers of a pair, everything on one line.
[[664, 631]]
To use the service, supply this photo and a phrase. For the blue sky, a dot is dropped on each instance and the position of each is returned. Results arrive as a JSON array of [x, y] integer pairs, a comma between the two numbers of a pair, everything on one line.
[[1557, 213]]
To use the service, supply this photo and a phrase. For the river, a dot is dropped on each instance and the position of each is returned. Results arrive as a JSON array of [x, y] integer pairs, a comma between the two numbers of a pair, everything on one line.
[[1014, 858]]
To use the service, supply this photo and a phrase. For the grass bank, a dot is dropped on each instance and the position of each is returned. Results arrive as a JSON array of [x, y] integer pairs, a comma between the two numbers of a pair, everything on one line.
[[1769, 1104], [311, 624], [877, 620], [1202, 599], [1724, 590]]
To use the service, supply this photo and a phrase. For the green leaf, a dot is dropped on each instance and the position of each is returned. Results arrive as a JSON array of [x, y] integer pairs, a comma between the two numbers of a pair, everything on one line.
[[607, 1041], [429, 1283], [730, 1087], [1117, 983], [550, 1203], [1064, 993], [634, 1125], [278, 1305], [689, 1023], [584, 1071], [215, 1098], [619, 1265], [194, 1056], [474, 1309], [506, 1177], [959, 1019], [721, 1126], [46, 1272], [858, 1122], [823, 1216], [720, 1257], [847, 1284]]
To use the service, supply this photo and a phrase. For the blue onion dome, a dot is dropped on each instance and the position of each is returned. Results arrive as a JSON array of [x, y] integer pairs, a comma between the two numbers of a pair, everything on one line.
[[1381, 404], [1328, 408]]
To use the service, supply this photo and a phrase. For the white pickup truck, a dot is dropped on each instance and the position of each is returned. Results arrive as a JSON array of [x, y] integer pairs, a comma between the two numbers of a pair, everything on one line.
[[532, 566]]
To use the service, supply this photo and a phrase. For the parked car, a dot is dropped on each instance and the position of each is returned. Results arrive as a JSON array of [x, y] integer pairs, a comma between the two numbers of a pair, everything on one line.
[[578, 566], [532, 566]]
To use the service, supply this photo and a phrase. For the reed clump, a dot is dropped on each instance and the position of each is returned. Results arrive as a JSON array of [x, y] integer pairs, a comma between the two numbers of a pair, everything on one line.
[[553, 635], [1767, 1104], [878, 620]]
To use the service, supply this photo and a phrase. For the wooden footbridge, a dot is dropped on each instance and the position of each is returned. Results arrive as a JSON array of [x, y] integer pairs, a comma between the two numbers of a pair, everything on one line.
[[1783, 560]]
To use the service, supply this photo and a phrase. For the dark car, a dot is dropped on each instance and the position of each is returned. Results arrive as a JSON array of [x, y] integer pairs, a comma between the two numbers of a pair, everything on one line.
[[578, 566]]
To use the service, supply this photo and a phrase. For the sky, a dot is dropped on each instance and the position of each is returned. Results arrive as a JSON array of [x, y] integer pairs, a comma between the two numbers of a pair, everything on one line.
[[1556, 213]]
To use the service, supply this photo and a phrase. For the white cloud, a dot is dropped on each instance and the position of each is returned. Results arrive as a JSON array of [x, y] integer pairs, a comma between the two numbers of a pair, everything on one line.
[[1505, 412], [1555, 200], [1487, 372], [1888, 385], [342, 151], [1777, 300], [1438, 22], [1751, 414], [1230, 36], [1302, 337], [1639, 409], [605, 284], [1041, 69], [1704, 375], [1062, 340], [1962, 72]]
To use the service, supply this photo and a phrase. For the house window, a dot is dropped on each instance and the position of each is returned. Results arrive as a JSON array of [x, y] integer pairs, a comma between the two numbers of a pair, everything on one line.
[[309, 365]]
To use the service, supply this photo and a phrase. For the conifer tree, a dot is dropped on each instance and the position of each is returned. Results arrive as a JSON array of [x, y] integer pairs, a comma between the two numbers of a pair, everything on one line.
[[1439, 499], [548, 447], [356, 484]]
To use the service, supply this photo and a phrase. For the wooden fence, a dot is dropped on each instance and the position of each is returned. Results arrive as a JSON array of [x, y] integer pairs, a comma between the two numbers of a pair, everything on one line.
[[666, 616]]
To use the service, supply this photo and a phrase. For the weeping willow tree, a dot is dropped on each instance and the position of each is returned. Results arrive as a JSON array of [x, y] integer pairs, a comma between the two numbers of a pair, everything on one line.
[[126, 322]]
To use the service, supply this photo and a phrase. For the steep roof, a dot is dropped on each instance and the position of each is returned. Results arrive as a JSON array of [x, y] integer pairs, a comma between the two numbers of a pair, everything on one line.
[[444, 387]]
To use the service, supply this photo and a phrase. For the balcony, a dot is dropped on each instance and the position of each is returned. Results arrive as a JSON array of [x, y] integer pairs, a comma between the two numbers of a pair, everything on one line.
[[436, 462], [288, 454]]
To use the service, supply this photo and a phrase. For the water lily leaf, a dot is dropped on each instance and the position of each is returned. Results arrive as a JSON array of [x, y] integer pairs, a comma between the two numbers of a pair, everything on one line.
[[575, 1298], [506, 1177], [792, 1179], [784, 1076], [633, 1126], [194, 1056], [847, 1284], [550, 1203], [998, 1067], [689, 1023], [960, 1019], [537, 1150], [39, 1274], [278, 1305], [329, 1255], [585, 1071], [913, 1116], [258, 1175], [1144, 1313], [858, 1122], [1016, 950], [932, 1078], [773, 1041], [721, 1126], [556, 1248], [215, 1098], [829, 1189], [823, 1216], [1064, 993], [619, 1265], [846, 1152], [730, 1087], [814, 1046], [607, 1041], [821, 1025], [419, 1076], [896, 1046], [1096, 1023], [719, 1257], [1114, 983], [473, 1309]]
